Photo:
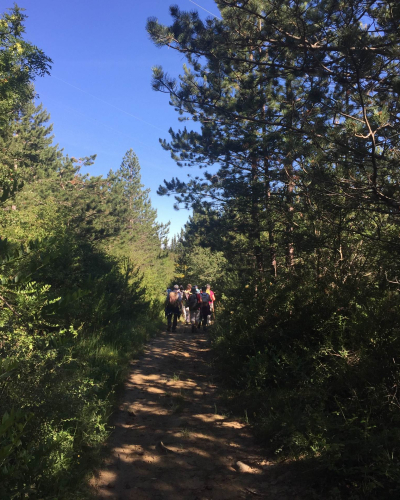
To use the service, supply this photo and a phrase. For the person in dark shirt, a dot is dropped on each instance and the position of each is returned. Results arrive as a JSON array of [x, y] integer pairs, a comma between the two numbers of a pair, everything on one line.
[[173, 308], [204, 307]]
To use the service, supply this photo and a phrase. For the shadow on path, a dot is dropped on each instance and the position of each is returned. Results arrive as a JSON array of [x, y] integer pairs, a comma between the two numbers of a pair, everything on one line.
[[170, 441]]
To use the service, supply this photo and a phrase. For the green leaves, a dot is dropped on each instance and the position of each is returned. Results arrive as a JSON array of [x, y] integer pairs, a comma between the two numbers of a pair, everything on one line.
[[20, 63], [7, 368]]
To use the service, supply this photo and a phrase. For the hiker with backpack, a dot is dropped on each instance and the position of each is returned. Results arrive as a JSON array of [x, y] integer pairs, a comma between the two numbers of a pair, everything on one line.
[[212, 300], [182, 303], [173, 307], [193, 304], [186, 296], [204, 307]]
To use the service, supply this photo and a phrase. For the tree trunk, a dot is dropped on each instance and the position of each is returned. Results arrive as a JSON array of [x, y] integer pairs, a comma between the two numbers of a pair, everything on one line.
[[255, 219], [289, 226], [270, 221], [288, 165]]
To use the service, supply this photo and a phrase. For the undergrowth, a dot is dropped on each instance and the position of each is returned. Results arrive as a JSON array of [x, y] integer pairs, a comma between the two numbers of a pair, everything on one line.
[[56, 404], [314, 369]]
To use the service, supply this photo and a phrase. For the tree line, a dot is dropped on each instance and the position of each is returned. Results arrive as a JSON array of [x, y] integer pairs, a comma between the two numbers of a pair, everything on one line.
[[81, 265], [294, 125]]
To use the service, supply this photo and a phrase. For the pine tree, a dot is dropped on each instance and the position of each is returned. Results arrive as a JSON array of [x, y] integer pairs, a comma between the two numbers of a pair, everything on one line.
[[131, 222], [329, 108], [208, 93], [20, 63]]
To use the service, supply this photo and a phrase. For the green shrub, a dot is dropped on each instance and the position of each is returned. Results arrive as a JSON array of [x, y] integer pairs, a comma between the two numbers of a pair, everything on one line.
[[315, 367]]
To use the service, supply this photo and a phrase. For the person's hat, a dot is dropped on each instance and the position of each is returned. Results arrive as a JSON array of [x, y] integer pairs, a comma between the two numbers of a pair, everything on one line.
[[176, 287]]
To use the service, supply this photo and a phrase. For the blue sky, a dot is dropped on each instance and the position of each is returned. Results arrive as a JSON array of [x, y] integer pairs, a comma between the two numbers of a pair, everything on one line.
[[99, 93]]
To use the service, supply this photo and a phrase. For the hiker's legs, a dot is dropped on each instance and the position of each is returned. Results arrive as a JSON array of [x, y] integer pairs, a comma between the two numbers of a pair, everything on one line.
[[194, 319], [203, 316], [209, 315], [175, 322], [204, 321], [169, 319], [199, 318], [187, 318], [183, 313]]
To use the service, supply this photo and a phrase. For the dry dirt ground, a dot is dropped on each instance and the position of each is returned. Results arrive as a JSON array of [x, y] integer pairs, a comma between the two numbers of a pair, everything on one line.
[[172, 440]]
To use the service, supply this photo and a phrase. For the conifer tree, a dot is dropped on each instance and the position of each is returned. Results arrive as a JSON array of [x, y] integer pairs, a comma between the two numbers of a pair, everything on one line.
[[333, 73], [208, 93], [131, 221], [20, 63]]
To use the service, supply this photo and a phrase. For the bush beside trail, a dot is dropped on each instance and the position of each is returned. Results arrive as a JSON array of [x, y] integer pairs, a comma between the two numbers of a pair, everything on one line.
[[315, 370], [62, 362]]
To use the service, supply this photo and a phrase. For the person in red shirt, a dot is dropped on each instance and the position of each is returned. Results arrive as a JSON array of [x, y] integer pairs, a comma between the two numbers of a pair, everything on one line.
[[212, 300]]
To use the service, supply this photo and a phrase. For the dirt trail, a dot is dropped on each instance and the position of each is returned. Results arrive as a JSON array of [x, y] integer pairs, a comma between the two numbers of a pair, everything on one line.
[[171, 439]]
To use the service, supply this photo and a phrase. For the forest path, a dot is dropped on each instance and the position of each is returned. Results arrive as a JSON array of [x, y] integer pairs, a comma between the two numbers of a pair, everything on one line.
[[172, 440]]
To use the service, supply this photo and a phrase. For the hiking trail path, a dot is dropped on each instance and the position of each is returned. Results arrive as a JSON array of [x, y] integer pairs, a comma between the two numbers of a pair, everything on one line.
[[172, 440]]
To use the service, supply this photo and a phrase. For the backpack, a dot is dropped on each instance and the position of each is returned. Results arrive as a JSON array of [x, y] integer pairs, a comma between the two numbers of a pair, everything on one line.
[[172, 299], [192, 302], [205, 299]]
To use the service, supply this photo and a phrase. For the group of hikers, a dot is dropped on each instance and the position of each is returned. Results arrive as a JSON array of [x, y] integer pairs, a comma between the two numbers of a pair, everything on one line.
[[194, 304]]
